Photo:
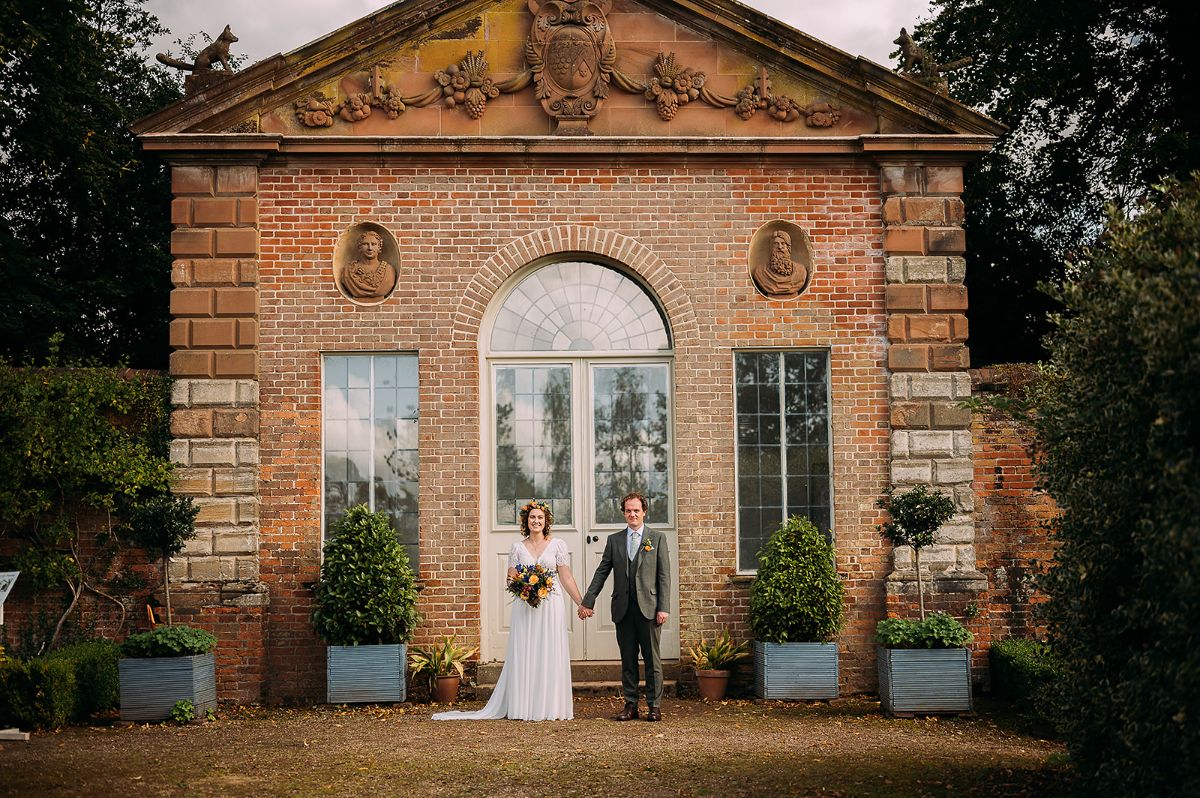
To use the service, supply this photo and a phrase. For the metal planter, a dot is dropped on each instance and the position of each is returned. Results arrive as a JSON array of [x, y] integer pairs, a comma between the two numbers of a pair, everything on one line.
[[796, 671], [366, 674], [925, 681], [151, 686]]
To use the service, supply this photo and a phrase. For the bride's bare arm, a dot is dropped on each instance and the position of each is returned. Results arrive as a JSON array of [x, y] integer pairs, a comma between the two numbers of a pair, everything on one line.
[[568, 582]]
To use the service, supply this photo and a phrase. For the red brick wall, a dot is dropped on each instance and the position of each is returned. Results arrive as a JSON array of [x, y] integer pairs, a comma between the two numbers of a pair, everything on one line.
[[1011, 513], [696, 223]]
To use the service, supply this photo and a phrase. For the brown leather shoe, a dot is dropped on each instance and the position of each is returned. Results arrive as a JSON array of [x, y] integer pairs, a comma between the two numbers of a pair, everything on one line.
[[653, 713], [630, 712]]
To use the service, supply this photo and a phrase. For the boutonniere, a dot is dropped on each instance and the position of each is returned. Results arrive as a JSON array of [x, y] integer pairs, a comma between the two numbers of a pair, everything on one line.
[[647, 546]]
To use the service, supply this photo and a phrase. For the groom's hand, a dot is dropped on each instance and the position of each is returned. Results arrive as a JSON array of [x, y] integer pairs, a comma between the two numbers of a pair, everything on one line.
[[585, 613], [660, 618]]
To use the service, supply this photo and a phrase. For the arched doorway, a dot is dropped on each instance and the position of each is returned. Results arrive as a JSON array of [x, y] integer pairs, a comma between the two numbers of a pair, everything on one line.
[[577, 411]]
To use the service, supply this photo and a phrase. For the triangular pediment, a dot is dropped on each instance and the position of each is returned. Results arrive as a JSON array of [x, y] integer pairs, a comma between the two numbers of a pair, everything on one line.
[[652, 68]]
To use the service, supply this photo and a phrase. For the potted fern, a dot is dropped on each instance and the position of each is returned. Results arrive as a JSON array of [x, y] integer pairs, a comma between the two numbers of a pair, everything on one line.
[[365, 609], [924, 665], [796, 609], [713, 663], [171, 662], [443, 664]]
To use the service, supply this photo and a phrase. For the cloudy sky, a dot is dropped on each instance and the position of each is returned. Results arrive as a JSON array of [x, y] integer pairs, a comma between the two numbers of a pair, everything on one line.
[[266, 27]]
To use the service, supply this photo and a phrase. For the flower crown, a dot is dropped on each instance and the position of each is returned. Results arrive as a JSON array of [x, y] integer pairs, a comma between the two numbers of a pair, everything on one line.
[[538, 505]]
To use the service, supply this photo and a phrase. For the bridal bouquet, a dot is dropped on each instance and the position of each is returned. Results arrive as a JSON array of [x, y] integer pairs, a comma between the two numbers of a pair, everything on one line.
[[532, 584]]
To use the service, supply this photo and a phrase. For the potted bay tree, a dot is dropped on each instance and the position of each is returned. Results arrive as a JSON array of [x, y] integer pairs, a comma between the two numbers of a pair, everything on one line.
[[171, 662], [796, 609], [365, 609], [924, 665]]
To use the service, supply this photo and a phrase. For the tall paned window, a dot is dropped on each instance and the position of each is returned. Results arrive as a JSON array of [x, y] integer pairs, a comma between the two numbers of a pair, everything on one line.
[[371, 440], [782, 407]]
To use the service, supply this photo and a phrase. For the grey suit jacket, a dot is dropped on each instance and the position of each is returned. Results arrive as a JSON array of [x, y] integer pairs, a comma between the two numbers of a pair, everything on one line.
[[652, 575]]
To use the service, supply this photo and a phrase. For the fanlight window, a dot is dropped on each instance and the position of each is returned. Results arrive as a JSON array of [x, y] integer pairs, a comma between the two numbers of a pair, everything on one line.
[[574, 306]]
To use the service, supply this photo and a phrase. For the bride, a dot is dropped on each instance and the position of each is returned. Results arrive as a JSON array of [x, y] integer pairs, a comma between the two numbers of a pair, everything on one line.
[[535, 683]]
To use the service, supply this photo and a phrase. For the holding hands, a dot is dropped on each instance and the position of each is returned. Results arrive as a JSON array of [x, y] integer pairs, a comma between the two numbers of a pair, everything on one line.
[[584, 613]]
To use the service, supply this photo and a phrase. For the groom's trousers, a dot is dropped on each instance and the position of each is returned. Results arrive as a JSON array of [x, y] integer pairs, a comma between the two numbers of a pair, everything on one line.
[[637, 634]]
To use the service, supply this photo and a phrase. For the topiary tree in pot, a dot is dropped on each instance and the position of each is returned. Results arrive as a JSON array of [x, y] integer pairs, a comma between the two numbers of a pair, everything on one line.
[[915, 517], [170, 663], [924, 666], [797, 605], [366, 608]]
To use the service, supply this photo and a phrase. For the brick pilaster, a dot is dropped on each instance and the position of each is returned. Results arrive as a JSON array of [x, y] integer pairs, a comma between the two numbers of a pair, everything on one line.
[[928, 359]]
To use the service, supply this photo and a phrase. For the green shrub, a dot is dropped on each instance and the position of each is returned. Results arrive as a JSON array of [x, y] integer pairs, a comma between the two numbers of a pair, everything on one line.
[[937, 630], [797, 596], [97, 683], [1118, 422], [169, 641], [1022, 669], [367, 592], [37, 694]]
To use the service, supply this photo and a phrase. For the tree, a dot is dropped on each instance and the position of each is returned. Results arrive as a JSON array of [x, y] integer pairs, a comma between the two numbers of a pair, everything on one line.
[[78, 448], [1118, 423], [916, 516], [1098, 96], [162, 524], [83, 229]]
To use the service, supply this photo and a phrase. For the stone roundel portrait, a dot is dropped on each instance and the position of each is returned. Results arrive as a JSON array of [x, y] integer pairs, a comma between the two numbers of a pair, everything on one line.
[[781, 260], [365, 263]]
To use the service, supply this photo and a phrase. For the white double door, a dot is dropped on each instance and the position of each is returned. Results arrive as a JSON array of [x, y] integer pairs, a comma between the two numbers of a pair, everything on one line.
[[579, 433]]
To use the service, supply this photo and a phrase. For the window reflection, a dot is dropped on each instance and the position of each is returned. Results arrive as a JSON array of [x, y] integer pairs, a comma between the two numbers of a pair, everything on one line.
[[632, 438], [370, 427], [533, 440]]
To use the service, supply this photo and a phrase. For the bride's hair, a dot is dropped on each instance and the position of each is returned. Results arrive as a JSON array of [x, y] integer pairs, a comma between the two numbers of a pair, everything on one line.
[[536, 505]]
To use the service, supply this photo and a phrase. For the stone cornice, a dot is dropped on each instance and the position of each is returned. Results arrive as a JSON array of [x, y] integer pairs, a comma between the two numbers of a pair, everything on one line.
[[589, 150]]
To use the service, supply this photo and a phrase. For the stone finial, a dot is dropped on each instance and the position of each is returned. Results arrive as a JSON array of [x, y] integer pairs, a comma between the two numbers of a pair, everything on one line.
[[208, 58], [918, 64]]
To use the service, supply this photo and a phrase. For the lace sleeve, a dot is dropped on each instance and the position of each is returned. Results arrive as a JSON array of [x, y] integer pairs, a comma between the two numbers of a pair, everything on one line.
[[562, 555], [513, 560]]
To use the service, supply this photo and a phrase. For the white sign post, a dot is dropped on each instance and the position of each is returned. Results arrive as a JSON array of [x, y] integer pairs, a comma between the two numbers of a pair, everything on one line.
[[7, 578]]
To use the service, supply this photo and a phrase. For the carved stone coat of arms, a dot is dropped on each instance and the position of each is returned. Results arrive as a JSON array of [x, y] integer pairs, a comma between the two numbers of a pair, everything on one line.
[[571, 54]]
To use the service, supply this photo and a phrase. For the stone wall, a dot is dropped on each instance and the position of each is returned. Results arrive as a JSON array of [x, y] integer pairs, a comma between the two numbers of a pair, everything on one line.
[[928, 358]]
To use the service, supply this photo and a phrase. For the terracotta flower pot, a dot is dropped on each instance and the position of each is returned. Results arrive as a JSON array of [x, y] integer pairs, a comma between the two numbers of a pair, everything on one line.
[[445, 691], [712, 684]]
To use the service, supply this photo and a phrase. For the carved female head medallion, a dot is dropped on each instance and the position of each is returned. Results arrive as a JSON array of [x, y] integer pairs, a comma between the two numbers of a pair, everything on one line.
[[571, 54], [363, 263]]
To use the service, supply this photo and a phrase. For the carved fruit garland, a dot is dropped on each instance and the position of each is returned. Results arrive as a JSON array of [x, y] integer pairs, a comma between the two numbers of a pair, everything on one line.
[[468, 83], [672, 87]]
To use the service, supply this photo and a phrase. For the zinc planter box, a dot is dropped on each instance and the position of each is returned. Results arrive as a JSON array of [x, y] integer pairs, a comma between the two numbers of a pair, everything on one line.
[[151, 686], [925, 681], [366, 674], [796, 671]]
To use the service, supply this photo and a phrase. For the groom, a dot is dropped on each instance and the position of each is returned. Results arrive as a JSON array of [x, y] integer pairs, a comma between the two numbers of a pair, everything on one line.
[[641, 566]]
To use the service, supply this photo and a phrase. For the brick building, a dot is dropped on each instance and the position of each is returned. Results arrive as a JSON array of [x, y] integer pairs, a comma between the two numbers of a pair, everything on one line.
[[459, 254]]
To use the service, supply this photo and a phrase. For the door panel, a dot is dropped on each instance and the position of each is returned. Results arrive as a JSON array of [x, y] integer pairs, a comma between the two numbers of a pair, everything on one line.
[[579, 435]]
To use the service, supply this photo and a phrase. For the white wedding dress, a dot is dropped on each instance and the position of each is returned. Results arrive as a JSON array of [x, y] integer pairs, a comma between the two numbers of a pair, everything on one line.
[[535, 683]]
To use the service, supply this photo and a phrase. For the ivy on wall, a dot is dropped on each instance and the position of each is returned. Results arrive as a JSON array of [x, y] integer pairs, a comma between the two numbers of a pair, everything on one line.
[[80, 448]]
